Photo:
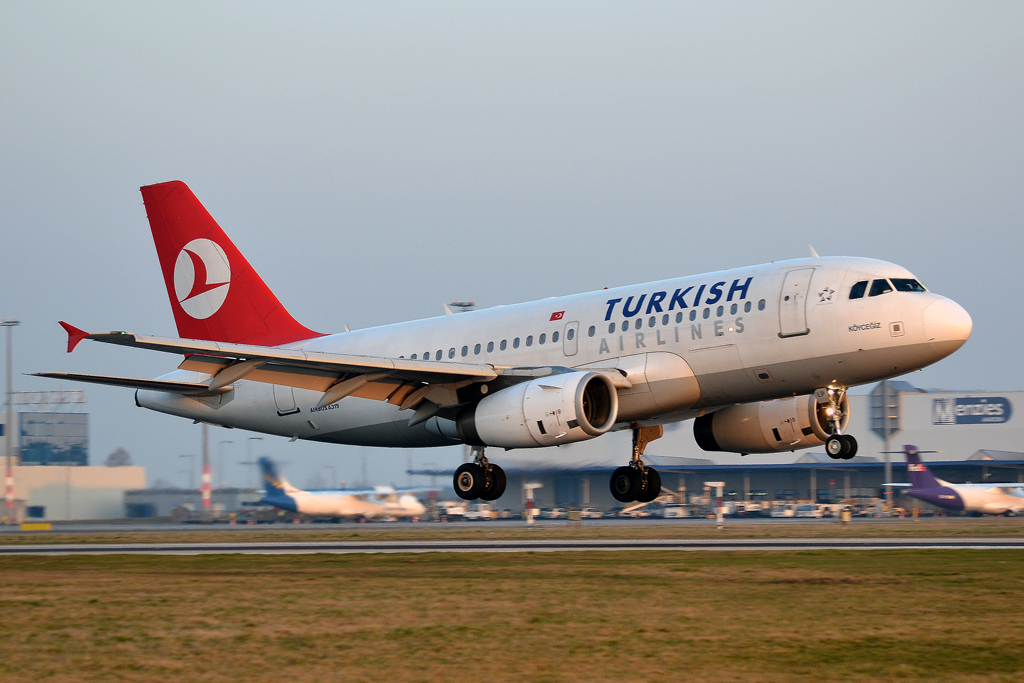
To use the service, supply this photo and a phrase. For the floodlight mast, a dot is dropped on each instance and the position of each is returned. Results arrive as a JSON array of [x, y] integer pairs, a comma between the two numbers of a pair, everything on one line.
[[9, 323]]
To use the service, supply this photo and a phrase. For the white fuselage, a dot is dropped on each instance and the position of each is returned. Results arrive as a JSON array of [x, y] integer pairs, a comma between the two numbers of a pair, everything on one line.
[[686, 345]]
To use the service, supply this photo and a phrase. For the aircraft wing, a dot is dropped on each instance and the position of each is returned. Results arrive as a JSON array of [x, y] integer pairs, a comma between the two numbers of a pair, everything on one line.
[[399, 381]]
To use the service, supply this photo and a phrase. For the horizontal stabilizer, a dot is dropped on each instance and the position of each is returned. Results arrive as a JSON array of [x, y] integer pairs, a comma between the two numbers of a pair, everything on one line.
[[186, 388]]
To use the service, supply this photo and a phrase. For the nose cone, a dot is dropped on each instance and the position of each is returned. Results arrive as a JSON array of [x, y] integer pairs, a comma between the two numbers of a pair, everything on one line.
[[947, 325]]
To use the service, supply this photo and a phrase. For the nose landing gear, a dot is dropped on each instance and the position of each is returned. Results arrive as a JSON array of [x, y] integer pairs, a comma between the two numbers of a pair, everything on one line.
[[479, 479], [636, 481], [839, 446]]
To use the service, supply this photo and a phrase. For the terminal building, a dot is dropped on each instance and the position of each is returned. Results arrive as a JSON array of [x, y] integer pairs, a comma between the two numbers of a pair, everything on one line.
[[53, 480], [976, 436]]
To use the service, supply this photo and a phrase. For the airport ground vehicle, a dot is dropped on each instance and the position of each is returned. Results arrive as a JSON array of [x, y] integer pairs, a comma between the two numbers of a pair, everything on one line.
[[759, 357], [480, 512], [674, 511]]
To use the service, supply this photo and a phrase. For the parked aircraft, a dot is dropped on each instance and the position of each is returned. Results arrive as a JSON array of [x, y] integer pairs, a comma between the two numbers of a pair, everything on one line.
[[989, 499], [761, 357], [378, 502]]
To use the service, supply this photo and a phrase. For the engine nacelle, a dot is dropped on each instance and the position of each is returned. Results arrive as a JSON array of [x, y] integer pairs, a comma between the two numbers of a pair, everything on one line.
[[563, 408], [785, 424]]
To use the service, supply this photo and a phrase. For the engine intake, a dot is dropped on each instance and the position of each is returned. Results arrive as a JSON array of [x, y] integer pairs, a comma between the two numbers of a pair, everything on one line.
[[785, 424], [562, 408]]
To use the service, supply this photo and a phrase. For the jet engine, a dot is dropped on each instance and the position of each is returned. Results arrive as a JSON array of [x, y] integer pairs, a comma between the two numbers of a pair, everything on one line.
[[548, 411], [785, 424]]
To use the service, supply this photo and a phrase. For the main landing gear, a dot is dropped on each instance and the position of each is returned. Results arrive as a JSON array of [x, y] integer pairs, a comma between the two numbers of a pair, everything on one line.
[[839, 446], [479, 479], [636, 481]]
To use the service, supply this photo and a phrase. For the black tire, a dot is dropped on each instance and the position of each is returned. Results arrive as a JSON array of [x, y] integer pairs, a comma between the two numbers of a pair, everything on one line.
[[468, 481], [625, 484], [834, 446], [851, 447], [497, 484], [652, 487]]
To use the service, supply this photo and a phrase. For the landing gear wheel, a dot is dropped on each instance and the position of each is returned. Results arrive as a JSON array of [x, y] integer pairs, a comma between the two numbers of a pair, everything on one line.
[[469, 481], [850, 448], [835, 446], [625, 484], [495, 485], [652, 486]]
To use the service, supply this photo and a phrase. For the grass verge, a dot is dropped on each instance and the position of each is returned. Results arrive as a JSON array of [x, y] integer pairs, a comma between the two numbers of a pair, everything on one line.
[[603, 616]]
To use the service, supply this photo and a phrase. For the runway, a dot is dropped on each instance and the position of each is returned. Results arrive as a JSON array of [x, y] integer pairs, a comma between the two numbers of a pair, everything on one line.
[[515, 546]]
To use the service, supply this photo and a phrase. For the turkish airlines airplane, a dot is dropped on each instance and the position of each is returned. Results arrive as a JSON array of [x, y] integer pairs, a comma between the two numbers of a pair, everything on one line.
[[761, 357], [987, 499], [375, 503]]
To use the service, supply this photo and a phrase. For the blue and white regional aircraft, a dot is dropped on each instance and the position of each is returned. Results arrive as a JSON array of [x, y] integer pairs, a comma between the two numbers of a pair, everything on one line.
[[760, 357], [375, 503], [987, 499]]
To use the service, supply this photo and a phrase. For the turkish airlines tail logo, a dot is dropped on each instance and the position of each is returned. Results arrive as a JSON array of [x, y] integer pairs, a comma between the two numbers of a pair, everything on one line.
[[202, 276]]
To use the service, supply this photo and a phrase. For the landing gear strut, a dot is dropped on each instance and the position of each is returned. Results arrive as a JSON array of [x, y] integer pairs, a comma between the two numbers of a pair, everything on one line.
[[479, 479], [636, 481], [839, 446]]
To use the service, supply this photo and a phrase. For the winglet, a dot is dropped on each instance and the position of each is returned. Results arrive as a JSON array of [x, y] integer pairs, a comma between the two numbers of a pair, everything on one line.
[[75, 335], [814, 252]]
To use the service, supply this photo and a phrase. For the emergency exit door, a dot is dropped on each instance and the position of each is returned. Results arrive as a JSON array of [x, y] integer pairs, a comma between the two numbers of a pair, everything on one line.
[[793, 303]]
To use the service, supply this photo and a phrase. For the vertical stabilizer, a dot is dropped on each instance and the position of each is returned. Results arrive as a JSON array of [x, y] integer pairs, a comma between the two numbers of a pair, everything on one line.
[[920, 476], [215, 294]]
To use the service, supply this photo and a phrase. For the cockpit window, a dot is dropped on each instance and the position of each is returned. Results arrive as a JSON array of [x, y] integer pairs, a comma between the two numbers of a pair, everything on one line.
[[857, 291], [903, 284], [880, 287]]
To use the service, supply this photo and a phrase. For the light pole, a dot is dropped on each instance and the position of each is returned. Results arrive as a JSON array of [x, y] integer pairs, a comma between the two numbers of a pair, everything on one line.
[[220, 462], [10, 324], [248, 449], [191, 469]]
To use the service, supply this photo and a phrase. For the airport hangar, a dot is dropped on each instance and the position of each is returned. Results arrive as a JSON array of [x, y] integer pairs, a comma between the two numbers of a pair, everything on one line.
[[979, 436], [53, 480]]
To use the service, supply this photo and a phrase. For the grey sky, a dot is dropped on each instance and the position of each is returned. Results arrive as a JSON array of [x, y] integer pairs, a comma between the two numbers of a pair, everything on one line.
[[375, 160]]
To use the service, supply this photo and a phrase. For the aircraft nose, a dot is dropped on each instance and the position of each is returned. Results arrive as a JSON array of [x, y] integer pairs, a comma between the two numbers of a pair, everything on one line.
[[947, 324]]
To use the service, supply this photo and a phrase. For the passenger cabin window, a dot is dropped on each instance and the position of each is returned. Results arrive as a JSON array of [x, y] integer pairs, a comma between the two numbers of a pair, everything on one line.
[[693, 314], [490, 347], [857, 291], [760, 305], [611, 328], [907, 285], [590, 333], [529, 340], [504, 344], [542, 338], [554, 335], [476, 350], [879, 287], [679, 317], [465, 351], [451, 352], [413, 357], [515, 343], [639, 323], [664, 319], [437, 356], [746, 307], [570, 334]]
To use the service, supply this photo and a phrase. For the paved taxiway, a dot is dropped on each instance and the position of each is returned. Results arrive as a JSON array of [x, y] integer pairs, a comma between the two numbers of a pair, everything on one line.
[[513, 546]]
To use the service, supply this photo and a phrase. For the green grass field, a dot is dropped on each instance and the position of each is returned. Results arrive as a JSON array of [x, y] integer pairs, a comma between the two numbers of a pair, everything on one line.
[[602, 616]]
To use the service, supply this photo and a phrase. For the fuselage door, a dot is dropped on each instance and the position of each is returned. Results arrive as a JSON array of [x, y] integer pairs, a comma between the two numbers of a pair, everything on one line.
[[569, 341], [793, 303], [284, 397]]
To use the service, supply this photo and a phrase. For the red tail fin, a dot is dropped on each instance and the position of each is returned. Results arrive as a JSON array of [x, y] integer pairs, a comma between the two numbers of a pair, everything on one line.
[[215, 294]]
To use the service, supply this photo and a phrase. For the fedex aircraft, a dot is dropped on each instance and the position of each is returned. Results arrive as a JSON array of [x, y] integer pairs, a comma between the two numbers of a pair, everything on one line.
[[759, 357], [988, 499], [382, 501]]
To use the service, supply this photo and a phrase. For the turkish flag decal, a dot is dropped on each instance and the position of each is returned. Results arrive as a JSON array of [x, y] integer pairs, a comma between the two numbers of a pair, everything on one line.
[[558, 315]]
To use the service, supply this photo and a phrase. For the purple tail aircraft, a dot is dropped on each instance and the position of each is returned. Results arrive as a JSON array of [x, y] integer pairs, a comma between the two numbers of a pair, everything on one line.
[[989, 499]]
